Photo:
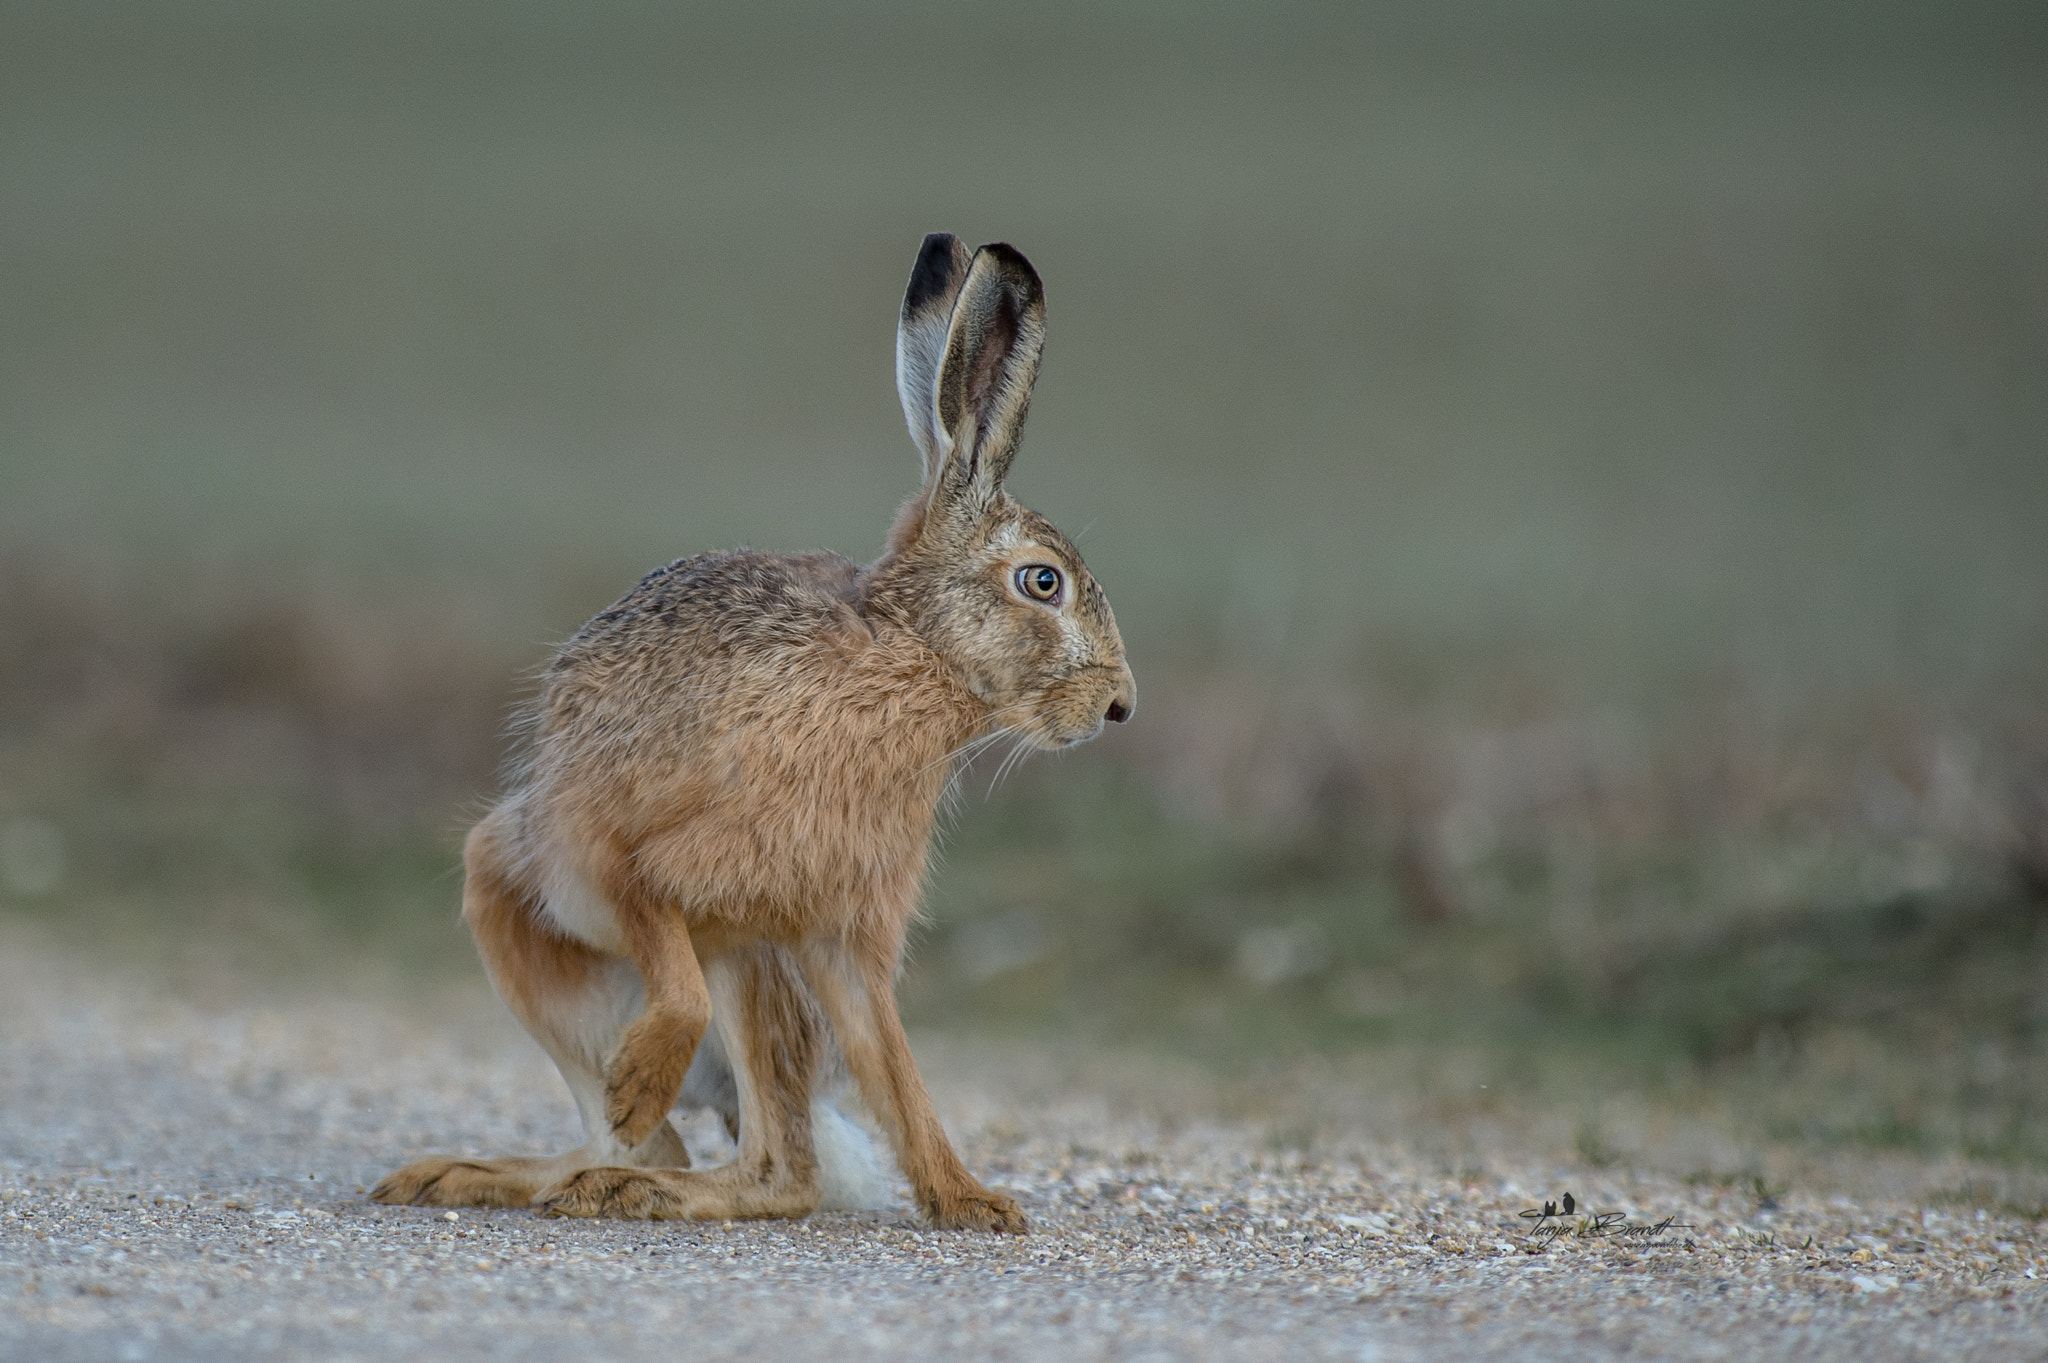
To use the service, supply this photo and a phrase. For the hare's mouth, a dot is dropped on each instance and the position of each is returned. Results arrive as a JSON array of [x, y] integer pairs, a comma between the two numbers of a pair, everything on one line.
[[1064, 714], [1080, 708], [1053, 736], [1044, 733]]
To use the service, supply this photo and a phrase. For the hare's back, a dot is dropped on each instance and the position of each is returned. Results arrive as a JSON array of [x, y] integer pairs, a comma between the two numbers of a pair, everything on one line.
[[734, 597], [694, 628]]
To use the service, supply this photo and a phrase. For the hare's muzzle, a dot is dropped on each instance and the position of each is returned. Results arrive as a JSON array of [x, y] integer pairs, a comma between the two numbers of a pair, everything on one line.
[[1123, 700]]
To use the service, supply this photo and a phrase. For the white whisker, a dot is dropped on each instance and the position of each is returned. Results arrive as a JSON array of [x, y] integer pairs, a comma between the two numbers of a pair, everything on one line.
[[973, 746], [1018, 752], [951, 789]]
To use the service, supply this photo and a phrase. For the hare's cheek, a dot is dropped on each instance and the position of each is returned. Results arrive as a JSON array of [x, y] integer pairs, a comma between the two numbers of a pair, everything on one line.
[[1073, 640]]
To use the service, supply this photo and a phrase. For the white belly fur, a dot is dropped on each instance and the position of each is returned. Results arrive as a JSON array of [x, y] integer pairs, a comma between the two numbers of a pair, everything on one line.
[[577, 911], [851, 1173]]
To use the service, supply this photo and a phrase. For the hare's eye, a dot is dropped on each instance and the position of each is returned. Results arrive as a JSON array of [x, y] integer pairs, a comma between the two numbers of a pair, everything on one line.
[[1039, 582]]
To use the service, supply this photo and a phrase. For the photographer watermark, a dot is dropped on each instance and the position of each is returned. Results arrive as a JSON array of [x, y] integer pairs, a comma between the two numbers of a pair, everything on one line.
[[1556, 1220]]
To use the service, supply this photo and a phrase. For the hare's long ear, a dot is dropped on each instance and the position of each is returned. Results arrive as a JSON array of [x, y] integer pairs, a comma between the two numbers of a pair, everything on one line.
[[985, 378], [921, 340]]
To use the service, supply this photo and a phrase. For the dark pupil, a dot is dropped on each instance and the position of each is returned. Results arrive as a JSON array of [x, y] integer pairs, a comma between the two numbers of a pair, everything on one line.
[[1044, 580]]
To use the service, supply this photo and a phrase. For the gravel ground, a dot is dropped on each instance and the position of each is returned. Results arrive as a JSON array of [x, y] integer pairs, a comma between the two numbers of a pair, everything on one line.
[[186, 1182]]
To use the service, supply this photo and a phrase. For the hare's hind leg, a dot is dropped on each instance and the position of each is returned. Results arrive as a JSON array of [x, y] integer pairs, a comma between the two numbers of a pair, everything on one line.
[[576, 1002], [774, 1037]]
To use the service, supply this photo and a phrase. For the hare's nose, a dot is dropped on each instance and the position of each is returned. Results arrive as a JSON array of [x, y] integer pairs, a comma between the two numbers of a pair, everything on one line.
[[1124, 699]]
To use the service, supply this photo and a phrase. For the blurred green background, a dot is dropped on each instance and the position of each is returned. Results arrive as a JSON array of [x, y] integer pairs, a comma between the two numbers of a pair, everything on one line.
[[1573, 480]]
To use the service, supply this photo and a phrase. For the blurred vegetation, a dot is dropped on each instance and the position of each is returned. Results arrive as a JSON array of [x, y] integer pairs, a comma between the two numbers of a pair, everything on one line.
[[1572, 481]]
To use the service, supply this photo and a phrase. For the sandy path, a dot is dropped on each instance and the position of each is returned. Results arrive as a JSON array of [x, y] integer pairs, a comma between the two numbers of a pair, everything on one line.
[[184, 1183]]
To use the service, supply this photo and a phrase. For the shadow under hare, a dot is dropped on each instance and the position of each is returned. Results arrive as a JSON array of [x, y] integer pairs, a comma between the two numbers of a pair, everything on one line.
[[710, 864]]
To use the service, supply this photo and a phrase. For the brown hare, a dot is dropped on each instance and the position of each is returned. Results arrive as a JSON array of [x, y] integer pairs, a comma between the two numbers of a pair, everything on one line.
[[734, 771]]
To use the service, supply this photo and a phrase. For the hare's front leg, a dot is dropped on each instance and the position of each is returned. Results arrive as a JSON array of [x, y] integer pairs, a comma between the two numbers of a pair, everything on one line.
[[855, 984], [773, 1035], [644, 1075]]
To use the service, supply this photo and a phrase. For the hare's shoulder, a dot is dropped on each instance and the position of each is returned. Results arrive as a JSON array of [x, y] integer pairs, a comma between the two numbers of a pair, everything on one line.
[[737, 600]]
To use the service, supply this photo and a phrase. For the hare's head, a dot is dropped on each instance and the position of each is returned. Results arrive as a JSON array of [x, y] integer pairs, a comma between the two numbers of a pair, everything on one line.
[[992, 587]]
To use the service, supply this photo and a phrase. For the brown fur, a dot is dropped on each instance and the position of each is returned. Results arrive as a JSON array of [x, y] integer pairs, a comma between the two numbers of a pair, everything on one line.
[[733, 783]]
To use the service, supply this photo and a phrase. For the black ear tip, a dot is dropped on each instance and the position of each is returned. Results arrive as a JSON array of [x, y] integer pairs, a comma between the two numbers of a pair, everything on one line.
[[938, 268], [937, 249], [1010, 256], [1015, 266]]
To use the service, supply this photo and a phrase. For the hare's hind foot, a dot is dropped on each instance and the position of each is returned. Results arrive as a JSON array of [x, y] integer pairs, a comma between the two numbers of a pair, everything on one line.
[[441, 1181], [516, 1180], [730, 1193]]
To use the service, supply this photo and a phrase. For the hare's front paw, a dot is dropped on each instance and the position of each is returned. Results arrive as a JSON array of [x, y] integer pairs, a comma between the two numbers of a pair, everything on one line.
[[635, 1103], [643, 1080], [977, 1209]]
